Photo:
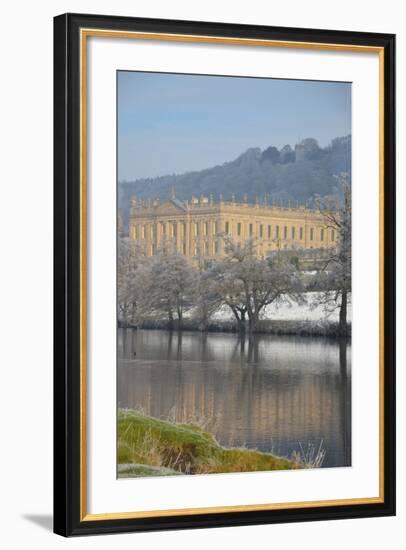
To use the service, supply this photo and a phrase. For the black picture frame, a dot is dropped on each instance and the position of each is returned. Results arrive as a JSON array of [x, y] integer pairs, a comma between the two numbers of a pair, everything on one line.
[[67, 347]]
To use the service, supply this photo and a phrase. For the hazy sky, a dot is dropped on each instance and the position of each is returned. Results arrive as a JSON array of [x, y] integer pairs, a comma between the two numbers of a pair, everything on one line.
[[169, 123]]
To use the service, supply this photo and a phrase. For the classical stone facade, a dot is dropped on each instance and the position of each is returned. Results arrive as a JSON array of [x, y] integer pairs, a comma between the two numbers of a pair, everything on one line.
[[198, 227]]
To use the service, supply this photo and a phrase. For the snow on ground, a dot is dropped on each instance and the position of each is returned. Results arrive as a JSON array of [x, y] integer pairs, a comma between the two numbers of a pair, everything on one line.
[[289, 311]]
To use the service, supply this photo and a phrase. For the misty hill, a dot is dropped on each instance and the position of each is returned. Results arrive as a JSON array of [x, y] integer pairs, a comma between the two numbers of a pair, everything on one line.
[[297, 174]]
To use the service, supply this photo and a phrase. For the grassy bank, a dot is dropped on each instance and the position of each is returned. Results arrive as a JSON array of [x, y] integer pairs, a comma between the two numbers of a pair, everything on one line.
[[148, 446]]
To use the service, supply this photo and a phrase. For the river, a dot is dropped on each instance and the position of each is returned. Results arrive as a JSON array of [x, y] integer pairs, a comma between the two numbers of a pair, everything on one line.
[[271, 393]]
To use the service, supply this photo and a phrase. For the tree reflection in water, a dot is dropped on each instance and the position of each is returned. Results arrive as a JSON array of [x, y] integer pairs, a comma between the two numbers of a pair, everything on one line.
[[264, 392]]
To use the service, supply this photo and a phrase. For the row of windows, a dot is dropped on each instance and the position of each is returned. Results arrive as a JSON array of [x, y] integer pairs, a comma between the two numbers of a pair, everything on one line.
[[277, 232], [206, 249]]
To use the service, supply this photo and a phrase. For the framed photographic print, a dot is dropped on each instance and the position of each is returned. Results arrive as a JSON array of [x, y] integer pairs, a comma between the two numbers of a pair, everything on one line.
[[224, 274]]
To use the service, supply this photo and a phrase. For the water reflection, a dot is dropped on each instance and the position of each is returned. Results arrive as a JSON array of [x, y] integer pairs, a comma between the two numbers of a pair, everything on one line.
[[264, 392]]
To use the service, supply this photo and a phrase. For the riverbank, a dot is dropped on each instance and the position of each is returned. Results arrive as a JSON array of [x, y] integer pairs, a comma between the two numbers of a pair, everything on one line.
[[274, 327], [148, 446]]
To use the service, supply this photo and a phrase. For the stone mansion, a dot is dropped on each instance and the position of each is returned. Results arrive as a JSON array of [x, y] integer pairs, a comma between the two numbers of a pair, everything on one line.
[[198, 226]]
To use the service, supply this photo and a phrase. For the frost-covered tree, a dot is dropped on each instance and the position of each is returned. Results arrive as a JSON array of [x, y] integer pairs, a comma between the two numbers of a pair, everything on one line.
[[220, 288], [171, 285], [131, 275], [209, 299], [248, 284]]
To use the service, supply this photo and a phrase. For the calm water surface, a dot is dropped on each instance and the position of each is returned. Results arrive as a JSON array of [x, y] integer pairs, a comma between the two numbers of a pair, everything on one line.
[[268, 392]]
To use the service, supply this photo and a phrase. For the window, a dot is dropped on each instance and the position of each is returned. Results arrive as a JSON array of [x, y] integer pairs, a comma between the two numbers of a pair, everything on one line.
[[251, 229], [301, 233], [261, 230], [285, 232], [277, 231], [227, 228], [184, 229], [311, 233], [174, 229], [293, 232], [239, 229], [163, 228], [332, 235], [216, 247], [206, 248], [322, 234], [269, 231], [206, 228], [184, 249]]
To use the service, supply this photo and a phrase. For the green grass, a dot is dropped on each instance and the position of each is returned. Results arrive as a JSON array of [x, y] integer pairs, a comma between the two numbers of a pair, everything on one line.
[[167, 448], [142, 470]]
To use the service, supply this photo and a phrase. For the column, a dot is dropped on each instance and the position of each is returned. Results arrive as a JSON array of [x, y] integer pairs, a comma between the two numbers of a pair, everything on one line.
[[158, 233], [187, 237], [179, 235]]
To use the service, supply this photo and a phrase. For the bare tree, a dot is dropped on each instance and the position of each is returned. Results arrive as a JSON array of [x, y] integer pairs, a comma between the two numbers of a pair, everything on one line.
[[336, 278]]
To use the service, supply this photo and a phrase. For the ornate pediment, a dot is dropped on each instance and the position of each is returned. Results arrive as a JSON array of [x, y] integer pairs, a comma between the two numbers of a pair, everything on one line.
[[171, 206]]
